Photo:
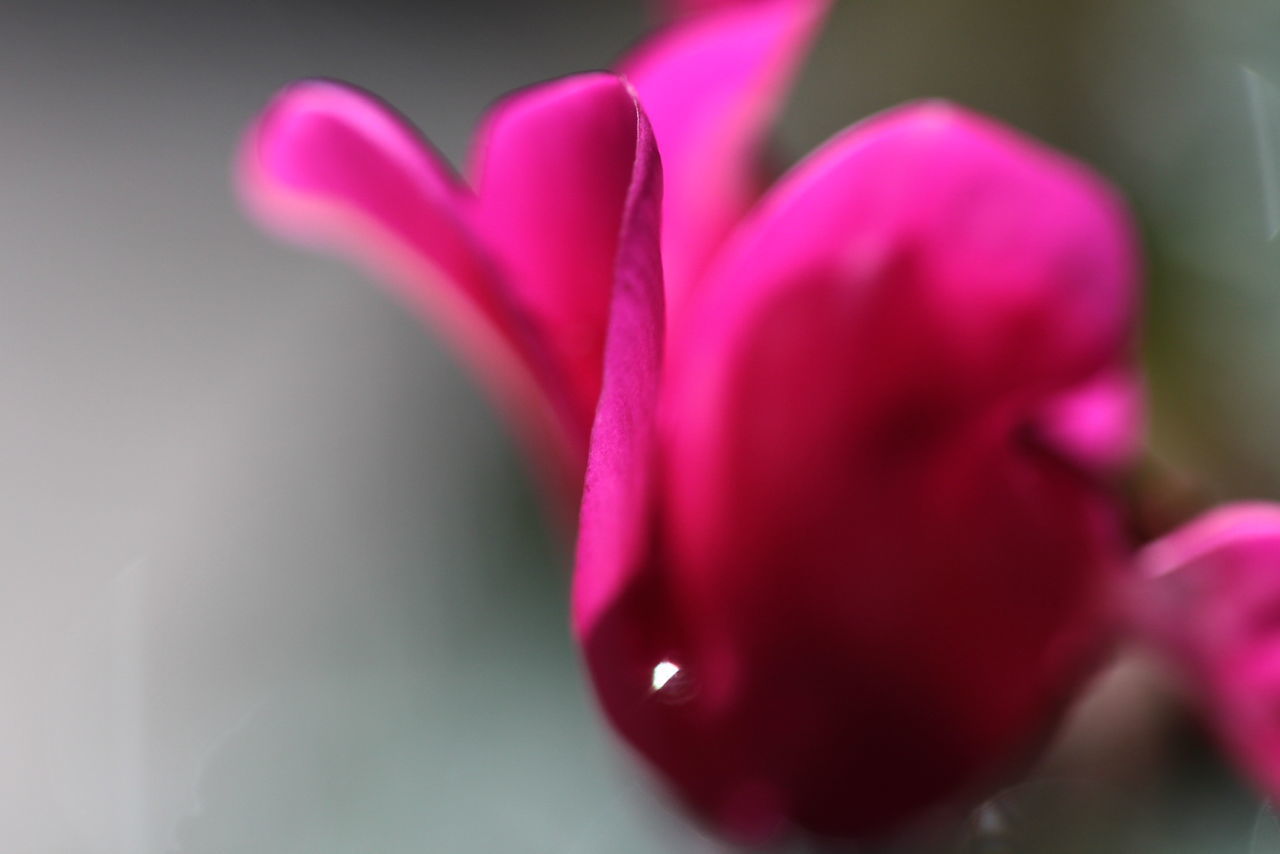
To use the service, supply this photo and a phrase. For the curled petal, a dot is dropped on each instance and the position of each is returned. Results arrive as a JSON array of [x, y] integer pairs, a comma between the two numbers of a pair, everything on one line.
[[711, 85], [331, 166], [618, 494], [518, 275], [612, 613], [1212, 601], [876, 584], [552, 167]]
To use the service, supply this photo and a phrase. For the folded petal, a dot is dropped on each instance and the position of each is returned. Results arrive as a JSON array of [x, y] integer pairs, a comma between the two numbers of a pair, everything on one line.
[[519, 275], [1211, 600], [552, 167], [613, 613], [618, 494], [876, 583], [331, 166], [711, 86]]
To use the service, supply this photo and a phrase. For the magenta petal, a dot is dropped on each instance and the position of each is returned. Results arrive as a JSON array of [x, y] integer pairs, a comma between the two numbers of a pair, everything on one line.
[[329, 165], [1097, 425], [521, 275], [618, 490], [926, 263], [1024, 261], [614, 534], [1212, 601], [874, 585], [711, 86], [552, 169]]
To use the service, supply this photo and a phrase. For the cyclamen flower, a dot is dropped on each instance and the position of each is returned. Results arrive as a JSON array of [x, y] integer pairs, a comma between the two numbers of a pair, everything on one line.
[[1211, 601], [847, 543]]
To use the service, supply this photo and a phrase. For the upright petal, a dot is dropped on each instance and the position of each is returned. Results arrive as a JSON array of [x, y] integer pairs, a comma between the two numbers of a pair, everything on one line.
[[618, 494], [1211, 600], [877, 581], [612, 610], [519, 275], [331, 166], [711, 85], [552, 167]]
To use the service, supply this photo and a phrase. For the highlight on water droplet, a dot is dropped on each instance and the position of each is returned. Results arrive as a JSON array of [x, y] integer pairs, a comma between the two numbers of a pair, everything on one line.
[[663, 673]]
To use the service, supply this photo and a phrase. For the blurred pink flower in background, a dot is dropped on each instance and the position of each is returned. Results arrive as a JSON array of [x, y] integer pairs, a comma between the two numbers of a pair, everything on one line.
[[1211, 601], [849, 539]]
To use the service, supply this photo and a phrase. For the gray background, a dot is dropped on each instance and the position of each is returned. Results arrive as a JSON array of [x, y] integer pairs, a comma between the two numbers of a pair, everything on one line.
[[273, 577]]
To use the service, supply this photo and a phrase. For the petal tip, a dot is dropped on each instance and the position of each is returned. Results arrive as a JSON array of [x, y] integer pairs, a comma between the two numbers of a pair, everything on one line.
[[1223, 528]]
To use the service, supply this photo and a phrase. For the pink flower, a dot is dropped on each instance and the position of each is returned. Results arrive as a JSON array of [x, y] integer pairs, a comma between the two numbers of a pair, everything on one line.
[[846, 543], [517, 267], [865, 551], [1211, 601]]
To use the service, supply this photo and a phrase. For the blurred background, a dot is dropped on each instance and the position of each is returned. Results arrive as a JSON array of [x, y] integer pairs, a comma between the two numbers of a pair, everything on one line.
[[273, 577]]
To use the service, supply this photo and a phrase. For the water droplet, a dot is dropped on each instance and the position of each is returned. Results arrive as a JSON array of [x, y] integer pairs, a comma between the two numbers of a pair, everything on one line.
[[663, 673], [671, 684]]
